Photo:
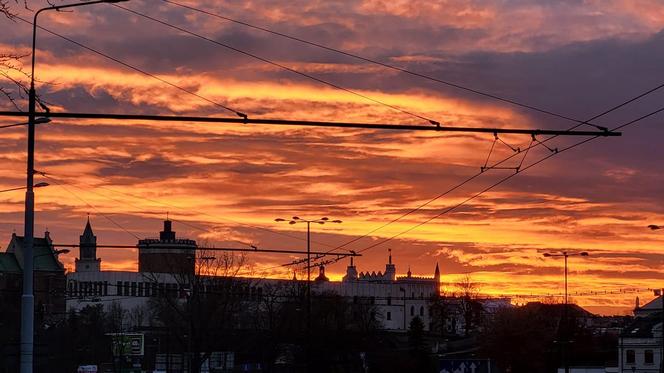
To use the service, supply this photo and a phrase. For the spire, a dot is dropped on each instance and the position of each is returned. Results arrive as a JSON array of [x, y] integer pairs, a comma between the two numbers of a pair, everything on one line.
[[88, 236], [390, 258], [436, 273], [87, 260], [409, 272], [87, 232]]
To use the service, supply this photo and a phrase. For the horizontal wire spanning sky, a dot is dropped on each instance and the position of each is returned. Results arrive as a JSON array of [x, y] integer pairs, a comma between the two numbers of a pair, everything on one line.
[[225, 184]]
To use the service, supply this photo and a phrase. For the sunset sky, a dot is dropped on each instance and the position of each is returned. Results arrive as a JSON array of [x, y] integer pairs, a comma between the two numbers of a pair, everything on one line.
[[225, 184]]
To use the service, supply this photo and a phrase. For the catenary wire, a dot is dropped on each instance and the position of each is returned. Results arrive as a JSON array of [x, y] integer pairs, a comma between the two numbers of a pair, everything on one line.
[[249, 226], [279, 65], [497, 164], [89, 205], [501, 181], [383, 64], [144, 72], [586, 122]]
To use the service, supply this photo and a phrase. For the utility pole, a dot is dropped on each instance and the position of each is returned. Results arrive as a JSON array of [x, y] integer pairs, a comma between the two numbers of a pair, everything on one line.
[[296, 220], [564, 334], [28, 295]]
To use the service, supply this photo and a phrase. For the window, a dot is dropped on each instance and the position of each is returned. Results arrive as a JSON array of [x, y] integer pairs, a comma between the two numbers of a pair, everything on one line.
[[421, 310], [140, 289], [412, 310], [630, 357], [126, 288], [118, 288], [389, 301], [649, 357], [389, 315], [146, 285], [105, 288]]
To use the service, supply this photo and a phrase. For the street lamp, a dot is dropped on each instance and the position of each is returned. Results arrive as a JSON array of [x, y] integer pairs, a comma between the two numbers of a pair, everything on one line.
[[296, 220], [38, 185], [37, 121], [54, 252], [28, 297], [565, 254]]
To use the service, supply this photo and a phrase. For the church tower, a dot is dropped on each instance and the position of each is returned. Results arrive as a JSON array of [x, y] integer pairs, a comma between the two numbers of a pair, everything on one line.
[[88, 261]]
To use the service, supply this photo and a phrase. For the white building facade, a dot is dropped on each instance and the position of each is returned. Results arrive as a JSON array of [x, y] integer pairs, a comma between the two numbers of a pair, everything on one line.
[[395, 300], [640, 344]]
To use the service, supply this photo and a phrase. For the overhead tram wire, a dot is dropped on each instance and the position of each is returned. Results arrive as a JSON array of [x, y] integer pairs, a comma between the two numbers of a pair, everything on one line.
[[254, 250], [125, 64], [388, 66], [580, 123], [249, 226], [238, 113], [281, 66], [526, 150], [501, 181], [89, 205]]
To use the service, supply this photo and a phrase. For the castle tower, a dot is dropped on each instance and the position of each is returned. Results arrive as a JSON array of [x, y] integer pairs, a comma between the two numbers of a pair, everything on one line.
[[390, 269], [321, 275], [87, 261], [351, 272], [167, 254]]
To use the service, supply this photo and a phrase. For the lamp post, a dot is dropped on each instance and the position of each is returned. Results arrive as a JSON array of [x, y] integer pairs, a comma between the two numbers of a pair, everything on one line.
[[37, 121], [565, 255], [660, 292], [28, 298], [38, 185], [297, 220]]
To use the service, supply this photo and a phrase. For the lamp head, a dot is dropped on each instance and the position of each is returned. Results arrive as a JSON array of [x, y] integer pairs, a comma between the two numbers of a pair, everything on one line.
[[546, 255], [584, 253], [336, 221], [292, 222], [41, 185], [296, 218], [279, 219]]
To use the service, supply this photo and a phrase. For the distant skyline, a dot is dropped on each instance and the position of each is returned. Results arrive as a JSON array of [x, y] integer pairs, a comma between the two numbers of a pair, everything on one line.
[[573, 58]]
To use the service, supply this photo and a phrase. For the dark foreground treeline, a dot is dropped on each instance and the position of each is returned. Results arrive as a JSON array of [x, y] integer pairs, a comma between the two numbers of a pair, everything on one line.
[[271, 333]]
